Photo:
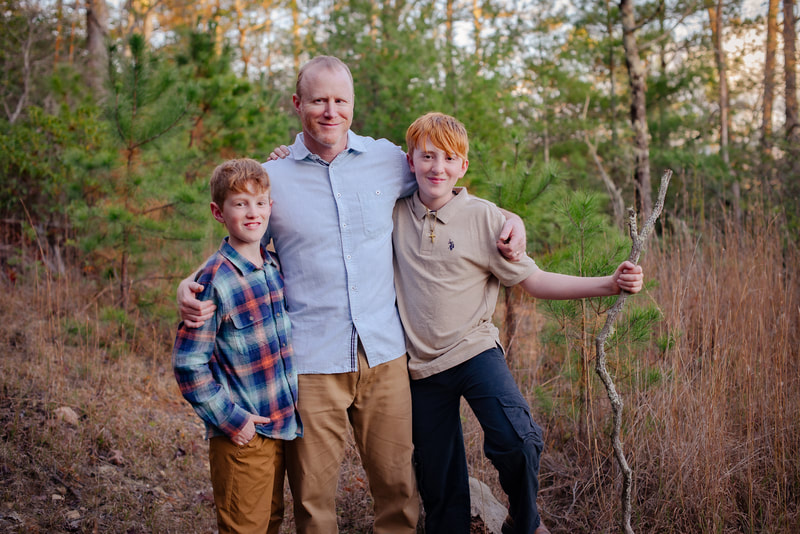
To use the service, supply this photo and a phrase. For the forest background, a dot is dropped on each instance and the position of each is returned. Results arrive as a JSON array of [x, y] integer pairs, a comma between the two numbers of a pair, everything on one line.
[[115, 113]]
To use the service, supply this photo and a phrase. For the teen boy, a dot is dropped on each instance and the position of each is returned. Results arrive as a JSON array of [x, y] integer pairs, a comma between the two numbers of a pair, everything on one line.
[[236, 369], [447, 281]]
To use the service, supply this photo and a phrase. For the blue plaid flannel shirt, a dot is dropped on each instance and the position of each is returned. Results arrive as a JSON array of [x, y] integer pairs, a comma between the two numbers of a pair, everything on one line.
[[240, 361]]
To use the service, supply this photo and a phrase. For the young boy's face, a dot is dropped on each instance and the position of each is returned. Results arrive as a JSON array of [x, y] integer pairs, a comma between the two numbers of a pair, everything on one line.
[[245, 215], [437, 172]]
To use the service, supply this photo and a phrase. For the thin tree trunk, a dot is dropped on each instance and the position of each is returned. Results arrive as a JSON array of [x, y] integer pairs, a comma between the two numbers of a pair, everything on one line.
[[769, 75], [296, 39], [790, 75], [612, 76], [477, 12], [715, 18], [96, 32], [450, 65], [59, 30], [636, 77], [511, 321]]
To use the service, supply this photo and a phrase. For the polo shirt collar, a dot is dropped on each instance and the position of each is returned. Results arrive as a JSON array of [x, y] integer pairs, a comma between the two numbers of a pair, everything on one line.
[[446, 212]]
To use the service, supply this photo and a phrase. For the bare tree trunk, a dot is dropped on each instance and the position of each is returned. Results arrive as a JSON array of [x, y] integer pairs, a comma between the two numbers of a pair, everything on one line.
[[59, 29], [612, 76], [96, 33], [242, 29], [636, 77], [477, 12], [510, 321], [296, 40], [450, 65], [715, 18], [790, 76], [769, 75]]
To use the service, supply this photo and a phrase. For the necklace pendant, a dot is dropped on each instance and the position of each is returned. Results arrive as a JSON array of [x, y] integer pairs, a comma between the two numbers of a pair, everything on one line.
[[432, 236]]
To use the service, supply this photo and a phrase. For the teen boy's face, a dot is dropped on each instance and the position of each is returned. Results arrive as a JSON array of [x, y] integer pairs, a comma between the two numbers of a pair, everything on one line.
[[245, 215], [437, 173]]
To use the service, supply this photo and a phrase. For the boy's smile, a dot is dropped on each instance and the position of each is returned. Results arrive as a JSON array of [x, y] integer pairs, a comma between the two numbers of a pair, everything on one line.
[[245, 215], [437, 172]]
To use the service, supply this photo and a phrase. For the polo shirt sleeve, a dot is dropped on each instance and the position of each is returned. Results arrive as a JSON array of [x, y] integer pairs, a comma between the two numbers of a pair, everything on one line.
[[509, 273]]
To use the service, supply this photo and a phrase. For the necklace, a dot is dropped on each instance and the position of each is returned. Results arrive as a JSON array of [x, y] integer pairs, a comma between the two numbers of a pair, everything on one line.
[[432, 224]]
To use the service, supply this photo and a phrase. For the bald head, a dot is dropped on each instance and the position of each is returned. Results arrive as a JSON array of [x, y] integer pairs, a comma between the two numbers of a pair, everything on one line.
[[320, 62]]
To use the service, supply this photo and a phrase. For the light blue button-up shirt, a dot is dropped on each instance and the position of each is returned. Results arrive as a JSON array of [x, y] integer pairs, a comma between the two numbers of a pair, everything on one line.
[[331, 225]]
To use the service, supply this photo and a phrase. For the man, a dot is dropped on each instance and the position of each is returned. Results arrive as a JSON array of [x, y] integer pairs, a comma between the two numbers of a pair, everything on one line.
[[331, 227]]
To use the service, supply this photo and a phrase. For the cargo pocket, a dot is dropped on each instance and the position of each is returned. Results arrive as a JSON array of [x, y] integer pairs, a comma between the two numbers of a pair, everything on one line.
[[518, 414]]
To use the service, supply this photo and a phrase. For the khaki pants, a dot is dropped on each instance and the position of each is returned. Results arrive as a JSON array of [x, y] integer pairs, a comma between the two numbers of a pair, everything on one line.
[[377, 402], [248, 484]]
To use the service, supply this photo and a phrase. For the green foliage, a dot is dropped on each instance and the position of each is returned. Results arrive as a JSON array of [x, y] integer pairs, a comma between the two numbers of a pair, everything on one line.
[[174, 115], [41, 159]]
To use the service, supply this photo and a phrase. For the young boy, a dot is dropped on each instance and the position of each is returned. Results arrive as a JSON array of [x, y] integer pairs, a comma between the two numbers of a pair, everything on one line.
[[236, 370], [448, 274]]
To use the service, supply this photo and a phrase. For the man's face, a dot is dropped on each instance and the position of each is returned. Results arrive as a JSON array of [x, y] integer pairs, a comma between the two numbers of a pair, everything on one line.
[[326, 110]]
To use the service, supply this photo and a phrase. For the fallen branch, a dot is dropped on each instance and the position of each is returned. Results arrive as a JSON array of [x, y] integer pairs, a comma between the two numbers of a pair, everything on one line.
[[638, 239]]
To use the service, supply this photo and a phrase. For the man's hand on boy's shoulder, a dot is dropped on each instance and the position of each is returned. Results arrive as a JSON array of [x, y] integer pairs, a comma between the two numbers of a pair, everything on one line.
[[279, 153], [193, 312], [629, 277], [512, 240]]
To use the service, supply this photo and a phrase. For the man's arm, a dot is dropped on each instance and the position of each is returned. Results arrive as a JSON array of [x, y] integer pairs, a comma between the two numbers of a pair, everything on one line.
[[512, 241], [553, 286], [193, 312]]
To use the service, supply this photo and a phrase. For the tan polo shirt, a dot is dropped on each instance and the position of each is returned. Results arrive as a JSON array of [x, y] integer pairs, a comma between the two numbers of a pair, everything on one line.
[[447, 285]]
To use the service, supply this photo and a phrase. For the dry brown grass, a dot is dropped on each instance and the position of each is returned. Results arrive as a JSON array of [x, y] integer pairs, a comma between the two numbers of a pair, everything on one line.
[[711, 427], [132, 462], [710, 430]]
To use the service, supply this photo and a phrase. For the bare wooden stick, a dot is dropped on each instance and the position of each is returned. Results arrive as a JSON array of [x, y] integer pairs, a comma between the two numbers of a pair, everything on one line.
[[638, 239]]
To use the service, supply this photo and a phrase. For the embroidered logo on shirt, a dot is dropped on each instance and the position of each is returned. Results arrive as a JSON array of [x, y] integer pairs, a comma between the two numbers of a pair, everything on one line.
[[451, 244]]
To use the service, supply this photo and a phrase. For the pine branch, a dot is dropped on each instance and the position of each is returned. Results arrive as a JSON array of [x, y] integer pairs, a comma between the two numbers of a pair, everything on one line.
[[638, 239]]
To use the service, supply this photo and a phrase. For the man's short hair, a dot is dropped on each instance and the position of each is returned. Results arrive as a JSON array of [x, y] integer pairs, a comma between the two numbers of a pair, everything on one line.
[[444, 131], [237, 176], [329, 62]]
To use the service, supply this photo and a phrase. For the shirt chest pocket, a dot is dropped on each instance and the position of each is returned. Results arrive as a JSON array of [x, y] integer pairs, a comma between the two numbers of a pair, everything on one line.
[[251, 330], [376, 211]]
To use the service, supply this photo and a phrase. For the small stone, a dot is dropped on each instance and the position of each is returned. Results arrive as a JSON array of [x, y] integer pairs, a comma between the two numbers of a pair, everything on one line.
[[68, 415]]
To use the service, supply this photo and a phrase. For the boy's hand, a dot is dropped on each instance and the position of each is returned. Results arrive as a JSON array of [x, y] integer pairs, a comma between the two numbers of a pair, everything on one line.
[[512, 240], [193, 312], [247, 433], [279, 153], [629, 277]]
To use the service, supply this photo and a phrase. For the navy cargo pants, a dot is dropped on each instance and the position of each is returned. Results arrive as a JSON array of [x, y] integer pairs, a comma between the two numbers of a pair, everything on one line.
[[512, 441]]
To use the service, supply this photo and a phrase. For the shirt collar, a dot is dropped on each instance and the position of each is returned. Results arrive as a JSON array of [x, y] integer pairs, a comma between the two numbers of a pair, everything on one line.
[[300, 151], [446, 212], [244, 266]]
